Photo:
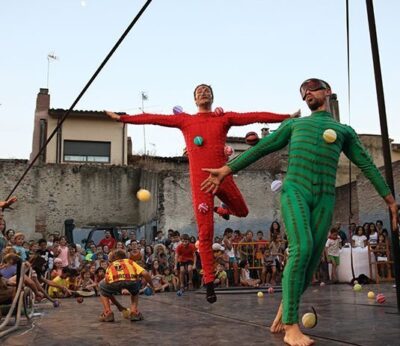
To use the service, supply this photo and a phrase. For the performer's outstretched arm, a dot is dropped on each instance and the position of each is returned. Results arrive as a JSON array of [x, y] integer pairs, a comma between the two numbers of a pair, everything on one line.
[[240, 119], [273, 142], [356, 152], [151, 119]]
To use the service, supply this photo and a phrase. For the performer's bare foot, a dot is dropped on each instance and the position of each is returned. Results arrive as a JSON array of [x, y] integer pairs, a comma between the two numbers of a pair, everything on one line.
[[294, 336], [277, 326]]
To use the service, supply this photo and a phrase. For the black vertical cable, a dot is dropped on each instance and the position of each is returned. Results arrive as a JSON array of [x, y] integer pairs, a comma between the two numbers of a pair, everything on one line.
[[385, 139], [112, 51], [348, 105]]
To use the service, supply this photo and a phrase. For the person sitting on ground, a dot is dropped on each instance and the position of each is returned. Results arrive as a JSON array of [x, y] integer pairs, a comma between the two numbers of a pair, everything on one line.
[[19, 240], [185, 258], [332, 248], [159, 283], [74, 257], [245, 279], [172, 280], [220, 276], [122, 276], [11, 261], [61, 281], [100, 275], [85, 282], [57, 268], [220, 256], [38, 265]]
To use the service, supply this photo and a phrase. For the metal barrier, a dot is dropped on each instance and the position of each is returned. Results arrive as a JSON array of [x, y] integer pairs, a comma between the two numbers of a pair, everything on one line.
[[253, 252]]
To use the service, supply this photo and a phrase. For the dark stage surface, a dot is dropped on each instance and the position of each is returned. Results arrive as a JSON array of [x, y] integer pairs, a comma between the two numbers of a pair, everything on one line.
[[345, 318]]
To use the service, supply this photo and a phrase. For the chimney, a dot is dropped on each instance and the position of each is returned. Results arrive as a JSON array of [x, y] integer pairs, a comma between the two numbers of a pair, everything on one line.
[[264, 132], [43, 100], [40, 120]]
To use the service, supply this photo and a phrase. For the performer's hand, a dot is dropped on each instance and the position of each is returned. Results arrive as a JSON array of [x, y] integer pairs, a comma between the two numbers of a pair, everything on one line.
[[112, 115], [211, 184], [6, 204], [296, 114], [394, 210]]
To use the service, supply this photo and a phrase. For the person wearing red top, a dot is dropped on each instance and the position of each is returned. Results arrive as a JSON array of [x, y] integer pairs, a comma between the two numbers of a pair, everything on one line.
[[108, 241], [205, 136], [184, 260]]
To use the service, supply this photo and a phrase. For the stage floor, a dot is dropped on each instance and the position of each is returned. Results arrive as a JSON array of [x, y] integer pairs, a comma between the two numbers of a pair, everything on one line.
[[345, 318]]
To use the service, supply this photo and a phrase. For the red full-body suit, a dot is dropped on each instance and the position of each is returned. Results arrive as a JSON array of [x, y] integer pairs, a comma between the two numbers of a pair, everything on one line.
[[212, 128]]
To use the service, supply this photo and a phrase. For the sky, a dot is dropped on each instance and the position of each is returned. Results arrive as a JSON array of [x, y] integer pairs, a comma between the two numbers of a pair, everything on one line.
[[254, 53]]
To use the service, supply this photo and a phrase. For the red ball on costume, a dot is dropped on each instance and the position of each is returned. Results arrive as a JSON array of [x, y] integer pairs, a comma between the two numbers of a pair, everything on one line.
[[219, 111], [79, 300], [252, 138], [228, 150]]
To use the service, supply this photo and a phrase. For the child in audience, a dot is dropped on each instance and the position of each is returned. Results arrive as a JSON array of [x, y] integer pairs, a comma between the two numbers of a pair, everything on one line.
[[268, 271], [157, 279], [57, 268], [172, 280], [245, 279], [359, 239], [220, 276], [19, 240], [62, 282], [332, 248], [85, 282]]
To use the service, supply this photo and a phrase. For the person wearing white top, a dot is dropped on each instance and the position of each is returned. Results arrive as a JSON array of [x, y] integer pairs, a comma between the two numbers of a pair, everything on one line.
[[359, 239]]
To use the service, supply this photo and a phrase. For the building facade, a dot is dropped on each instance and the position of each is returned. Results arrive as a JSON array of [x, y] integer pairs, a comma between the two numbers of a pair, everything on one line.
[[84, 137]]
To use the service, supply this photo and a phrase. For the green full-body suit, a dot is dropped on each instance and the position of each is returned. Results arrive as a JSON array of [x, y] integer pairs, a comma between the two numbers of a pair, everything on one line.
[[308, 192]]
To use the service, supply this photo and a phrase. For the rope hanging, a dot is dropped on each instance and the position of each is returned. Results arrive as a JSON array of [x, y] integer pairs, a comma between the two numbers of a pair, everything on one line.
[[66, 114]]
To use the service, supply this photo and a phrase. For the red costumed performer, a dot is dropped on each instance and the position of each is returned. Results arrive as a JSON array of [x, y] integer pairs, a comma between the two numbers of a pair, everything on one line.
[[205, 136]]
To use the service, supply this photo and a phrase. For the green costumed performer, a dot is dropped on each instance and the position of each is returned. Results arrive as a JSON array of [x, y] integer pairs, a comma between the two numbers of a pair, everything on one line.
[[308, 192]]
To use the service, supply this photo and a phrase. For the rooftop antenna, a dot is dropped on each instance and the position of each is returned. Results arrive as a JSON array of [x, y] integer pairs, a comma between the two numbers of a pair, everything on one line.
[[50, 57]]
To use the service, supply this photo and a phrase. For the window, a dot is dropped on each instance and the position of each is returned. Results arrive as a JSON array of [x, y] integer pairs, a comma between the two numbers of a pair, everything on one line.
[[87, 151]]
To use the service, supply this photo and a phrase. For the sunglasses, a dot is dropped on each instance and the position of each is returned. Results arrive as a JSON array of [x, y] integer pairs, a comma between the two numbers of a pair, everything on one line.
[[312, 84]]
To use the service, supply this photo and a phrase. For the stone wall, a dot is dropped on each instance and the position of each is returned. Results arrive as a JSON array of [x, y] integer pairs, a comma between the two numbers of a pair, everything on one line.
[[89, 194], [105, 195], [371, 205]]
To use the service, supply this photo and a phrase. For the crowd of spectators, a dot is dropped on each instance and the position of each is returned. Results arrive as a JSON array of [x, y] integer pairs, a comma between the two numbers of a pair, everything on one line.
[[241, 258]]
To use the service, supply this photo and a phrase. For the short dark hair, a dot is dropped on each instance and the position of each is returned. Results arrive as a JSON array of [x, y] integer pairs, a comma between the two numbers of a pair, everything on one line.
[[185, 236], [118, 255], [41, 241], [205, 85], [242, 263], [228, 230]]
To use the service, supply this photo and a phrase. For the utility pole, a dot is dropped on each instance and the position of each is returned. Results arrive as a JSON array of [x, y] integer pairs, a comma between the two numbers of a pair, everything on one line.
[[385, 138]]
